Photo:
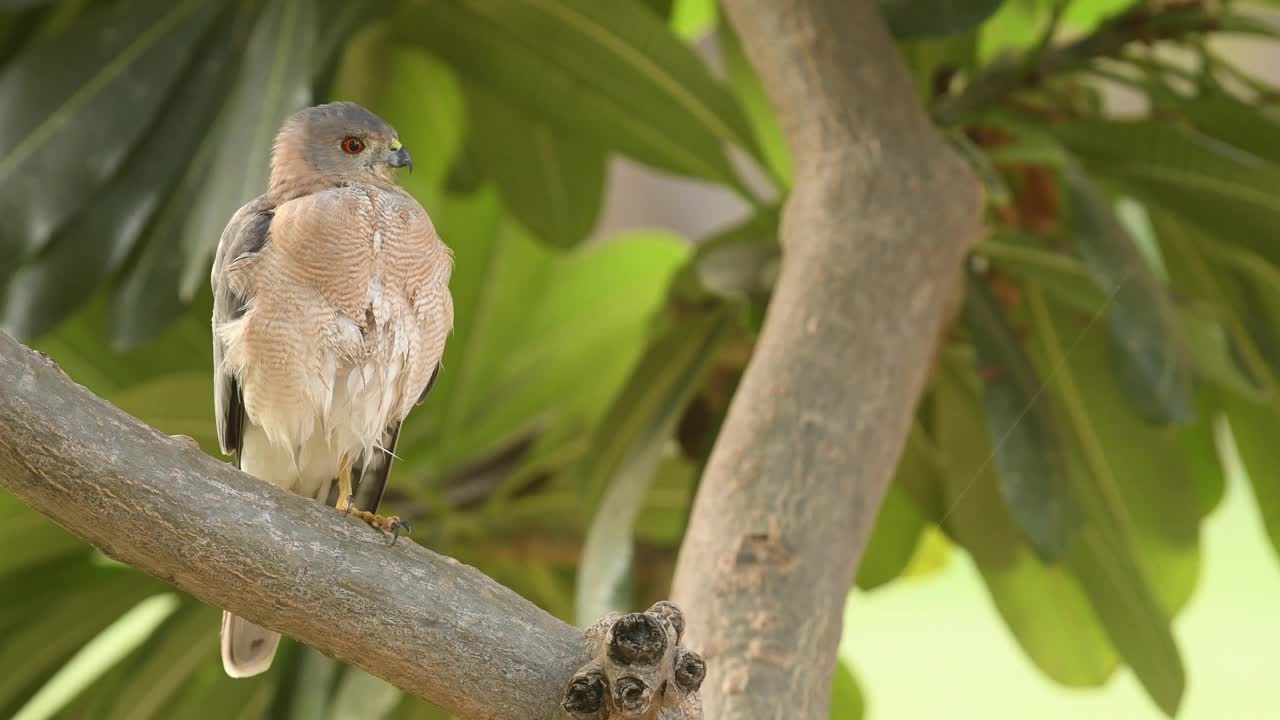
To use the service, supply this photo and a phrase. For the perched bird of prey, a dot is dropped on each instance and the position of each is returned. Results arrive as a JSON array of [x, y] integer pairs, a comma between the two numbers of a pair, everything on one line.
[[331, 310]]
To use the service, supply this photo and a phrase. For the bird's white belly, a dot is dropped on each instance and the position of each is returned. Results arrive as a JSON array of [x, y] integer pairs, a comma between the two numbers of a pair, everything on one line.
[[310, 475], [335, 398]]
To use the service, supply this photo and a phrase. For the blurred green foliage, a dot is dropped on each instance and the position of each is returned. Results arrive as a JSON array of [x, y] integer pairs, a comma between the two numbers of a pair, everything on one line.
[[1124, 305]]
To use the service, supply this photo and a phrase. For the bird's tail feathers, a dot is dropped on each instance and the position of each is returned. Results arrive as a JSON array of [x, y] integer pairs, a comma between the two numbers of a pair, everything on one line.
[[247, 649]]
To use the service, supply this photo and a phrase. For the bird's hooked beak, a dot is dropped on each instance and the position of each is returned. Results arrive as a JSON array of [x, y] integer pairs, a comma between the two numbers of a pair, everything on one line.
[[400, 157]]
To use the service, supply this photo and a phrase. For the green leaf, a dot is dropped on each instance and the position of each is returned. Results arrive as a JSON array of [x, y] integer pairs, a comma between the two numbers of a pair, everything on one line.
[[542, 338], [550, 180], [1132, 618], [60, 624], [1219, 114], [82, 349], [1253, 428], [31, 540], [274, 82], [932, 18], [1204, 462], [1015, 26], [1056, 273], [626, 449], [179, 647], [210, 693], [1044, 607], [608, 72], [418, 94], [1218, 314], [68, 118], [896, 534], [176, 404], [1029, 456], [690, 19], [147, 300], [1227, 193], [1152, 352], [1138, 557], [76, 687], [412, 708], [747, 88], [361, 696], [993, 184], [98, 241], [846, 696], [306, 689]]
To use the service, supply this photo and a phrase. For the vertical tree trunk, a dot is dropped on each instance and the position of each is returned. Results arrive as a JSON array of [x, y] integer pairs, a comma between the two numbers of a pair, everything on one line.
[[874, 234]]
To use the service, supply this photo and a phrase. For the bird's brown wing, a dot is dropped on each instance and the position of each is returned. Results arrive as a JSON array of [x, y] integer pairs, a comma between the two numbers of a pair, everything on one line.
[[245, 234]]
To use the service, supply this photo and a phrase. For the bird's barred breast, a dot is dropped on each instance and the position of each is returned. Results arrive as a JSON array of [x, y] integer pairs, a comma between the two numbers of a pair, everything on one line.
[[349, 318]]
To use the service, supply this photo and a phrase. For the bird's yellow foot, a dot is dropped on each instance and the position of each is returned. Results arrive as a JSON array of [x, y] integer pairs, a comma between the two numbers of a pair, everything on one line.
[[389, 524]]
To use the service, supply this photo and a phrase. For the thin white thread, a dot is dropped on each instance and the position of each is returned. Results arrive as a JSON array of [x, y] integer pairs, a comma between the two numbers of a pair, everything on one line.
[[1053, 373]]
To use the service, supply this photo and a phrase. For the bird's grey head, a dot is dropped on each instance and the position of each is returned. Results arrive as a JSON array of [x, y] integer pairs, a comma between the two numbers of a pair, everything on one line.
[[334, 144]]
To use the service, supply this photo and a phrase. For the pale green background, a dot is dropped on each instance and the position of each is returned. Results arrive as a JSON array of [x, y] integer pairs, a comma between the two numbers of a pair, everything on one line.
[[934, 647]]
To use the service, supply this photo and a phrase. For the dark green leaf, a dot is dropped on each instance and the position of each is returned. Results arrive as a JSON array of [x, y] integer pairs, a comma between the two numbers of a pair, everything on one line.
[[147, 301], [1152, 352], [274, 82], [1138, 557], [609, 72], [1044, 607], [14, 5], [552, 181], [626, 449], [68, 118], [662, 8], [1227, 193], [1029, 456], [98, 240], [931, 18], [1139, 490]]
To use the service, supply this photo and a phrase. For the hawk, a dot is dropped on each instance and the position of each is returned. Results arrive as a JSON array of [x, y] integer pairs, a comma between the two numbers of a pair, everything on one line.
[[331, 311]]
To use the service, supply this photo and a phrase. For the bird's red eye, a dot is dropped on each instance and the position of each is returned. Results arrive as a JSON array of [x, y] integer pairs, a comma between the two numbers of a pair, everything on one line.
[[352, 145]]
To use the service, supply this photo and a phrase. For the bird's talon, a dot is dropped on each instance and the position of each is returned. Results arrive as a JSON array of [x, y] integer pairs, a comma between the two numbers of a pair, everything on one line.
[[394, 528], [351, 501]]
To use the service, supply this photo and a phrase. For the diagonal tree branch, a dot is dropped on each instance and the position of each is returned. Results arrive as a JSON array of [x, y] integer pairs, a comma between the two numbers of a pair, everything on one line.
[[428, 624], [873, 236]]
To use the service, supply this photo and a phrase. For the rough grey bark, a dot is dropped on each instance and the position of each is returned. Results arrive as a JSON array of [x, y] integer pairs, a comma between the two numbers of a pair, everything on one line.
[[874, 235], [428, 624]]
